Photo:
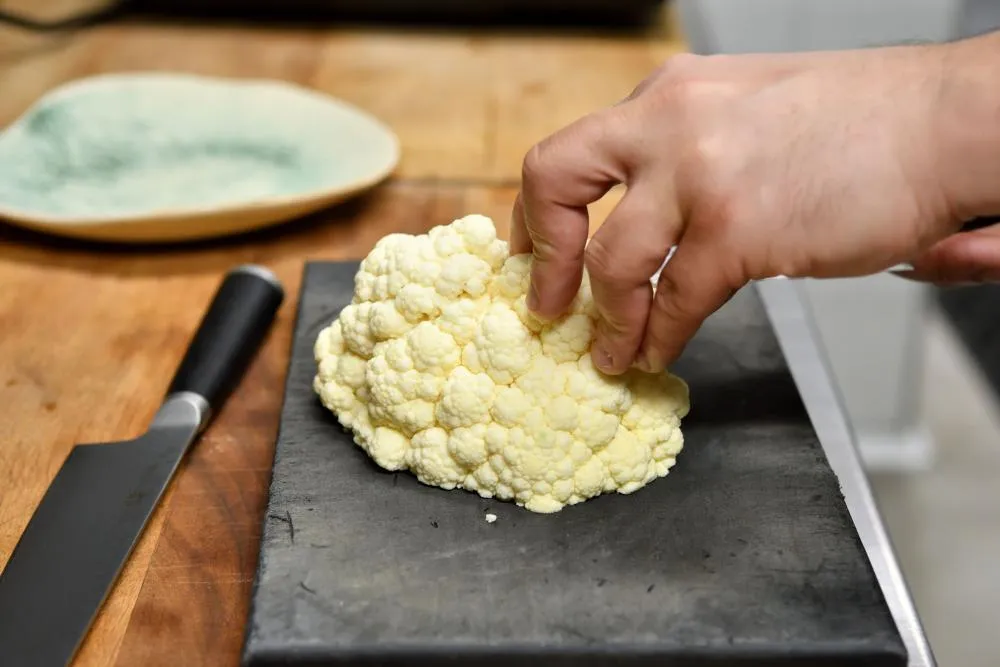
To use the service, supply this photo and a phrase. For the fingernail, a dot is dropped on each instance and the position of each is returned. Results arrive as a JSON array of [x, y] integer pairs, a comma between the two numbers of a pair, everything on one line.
[[642, 363], [532, 298], [650, 363], [602, 358]]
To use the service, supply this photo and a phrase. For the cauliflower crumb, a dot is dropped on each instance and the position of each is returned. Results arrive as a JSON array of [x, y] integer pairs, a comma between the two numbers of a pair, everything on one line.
[[437, 367]]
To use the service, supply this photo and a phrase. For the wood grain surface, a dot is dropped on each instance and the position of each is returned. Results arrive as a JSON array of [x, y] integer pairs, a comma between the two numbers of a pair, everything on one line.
[[91, 334]]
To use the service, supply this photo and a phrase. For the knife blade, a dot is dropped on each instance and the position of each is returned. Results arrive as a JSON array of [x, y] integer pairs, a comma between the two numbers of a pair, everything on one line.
[[97, 506]]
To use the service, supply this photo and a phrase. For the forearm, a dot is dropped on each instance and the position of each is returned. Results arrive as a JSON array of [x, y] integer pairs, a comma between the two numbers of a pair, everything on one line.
[[968, 126]]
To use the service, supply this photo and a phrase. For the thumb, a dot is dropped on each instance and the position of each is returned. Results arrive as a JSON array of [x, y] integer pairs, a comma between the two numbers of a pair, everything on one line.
[[691, 287], [968, 257]]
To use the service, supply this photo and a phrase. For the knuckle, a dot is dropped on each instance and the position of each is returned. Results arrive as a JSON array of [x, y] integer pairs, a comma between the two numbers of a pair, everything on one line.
[[675, 97], [706, 154], [623, 266], [614, 328], [625, 256], [677, 75], [687, 84], [600, 262], [716, 164], [680, 65], [552, 252], [542, 248], [670, 300], [555, 153], [532, 167]]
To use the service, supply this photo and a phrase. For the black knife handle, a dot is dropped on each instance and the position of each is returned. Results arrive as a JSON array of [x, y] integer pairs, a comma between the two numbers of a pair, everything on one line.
[[229, 335]]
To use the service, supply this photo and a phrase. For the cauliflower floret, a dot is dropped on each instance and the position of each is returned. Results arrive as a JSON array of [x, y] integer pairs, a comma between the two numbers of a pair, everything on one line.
[[438, 368]]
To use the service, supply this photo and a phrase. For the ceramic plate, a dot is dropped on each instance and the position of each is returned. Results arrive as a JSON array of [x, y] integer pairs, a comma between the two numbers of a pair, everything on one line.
[[166, 157]]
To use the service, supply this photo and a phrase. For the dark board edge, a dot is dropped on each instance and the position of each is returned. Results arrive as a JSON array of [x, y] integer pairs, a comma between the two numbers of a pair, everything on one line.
[[833, 655], [248, 650]]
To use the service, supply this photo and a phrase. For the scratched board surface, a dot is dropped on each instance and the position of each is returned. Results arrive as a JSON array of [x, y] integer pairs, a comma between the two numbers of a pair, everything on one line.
[[744, 554]]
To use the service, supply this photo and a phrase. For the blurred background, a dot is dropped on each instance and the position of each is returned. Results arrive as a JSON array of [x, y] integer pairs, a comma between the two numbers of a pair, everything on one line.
[[918, 368]]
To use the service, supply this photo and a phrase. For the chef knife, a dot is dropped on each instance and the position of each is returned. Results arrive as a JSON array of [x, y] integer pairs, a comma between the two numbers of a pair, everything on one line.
[[96, 508]]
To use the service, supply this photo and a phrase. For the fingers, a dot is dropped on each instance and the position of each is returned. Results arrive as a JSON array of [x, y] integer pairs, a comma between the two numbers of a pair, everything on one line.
[[969, 257], [691, 288], [620, 259], [560, 177]]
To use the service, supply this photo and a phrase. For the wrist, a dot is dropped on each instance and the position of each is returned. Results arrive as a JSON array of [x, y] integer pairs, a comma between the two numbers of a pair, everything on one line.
[[967, 127]]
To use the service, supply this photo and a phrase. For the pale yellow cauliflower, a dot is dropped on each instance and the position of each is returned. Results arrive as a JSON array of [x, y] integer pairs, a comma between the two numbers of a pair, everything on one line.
[[438, 367]]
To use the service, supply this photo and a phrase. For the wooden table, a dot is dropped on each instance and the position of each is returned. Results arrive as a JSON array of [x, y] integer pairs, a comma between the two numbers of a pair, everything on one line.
[[92, 334]]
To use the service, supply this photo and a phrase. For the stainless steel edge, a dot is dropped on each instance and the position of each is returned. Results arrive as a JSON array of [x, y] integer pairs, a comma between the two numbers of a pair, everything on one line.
[[798, 339], [169, 414]]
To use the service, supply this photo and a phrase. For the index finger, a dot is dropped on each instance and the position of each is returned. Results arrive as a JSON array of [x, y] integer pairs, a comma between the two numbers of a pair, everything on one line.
[[561, 175]]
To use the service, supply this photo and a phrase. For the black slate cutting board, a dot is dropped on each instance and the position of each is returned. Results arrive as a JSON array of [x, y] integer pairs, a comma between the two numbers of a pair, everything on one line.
[[744, 554]]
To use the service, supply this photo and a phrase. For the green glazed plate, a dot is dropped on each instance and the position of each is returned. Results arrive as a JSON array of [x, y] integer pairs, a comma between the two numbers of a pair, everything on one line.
[[166, 157]]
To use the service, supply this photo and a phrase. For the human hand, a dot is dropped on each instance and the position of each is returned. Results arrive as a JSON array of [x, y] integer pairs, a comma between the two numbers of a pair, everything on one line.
[[821, 164]]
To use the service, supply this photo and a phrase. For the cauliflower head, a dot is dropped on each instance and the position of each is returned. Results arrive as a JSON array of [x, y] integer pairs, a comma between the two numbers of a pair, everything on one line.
[[438, 367]]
